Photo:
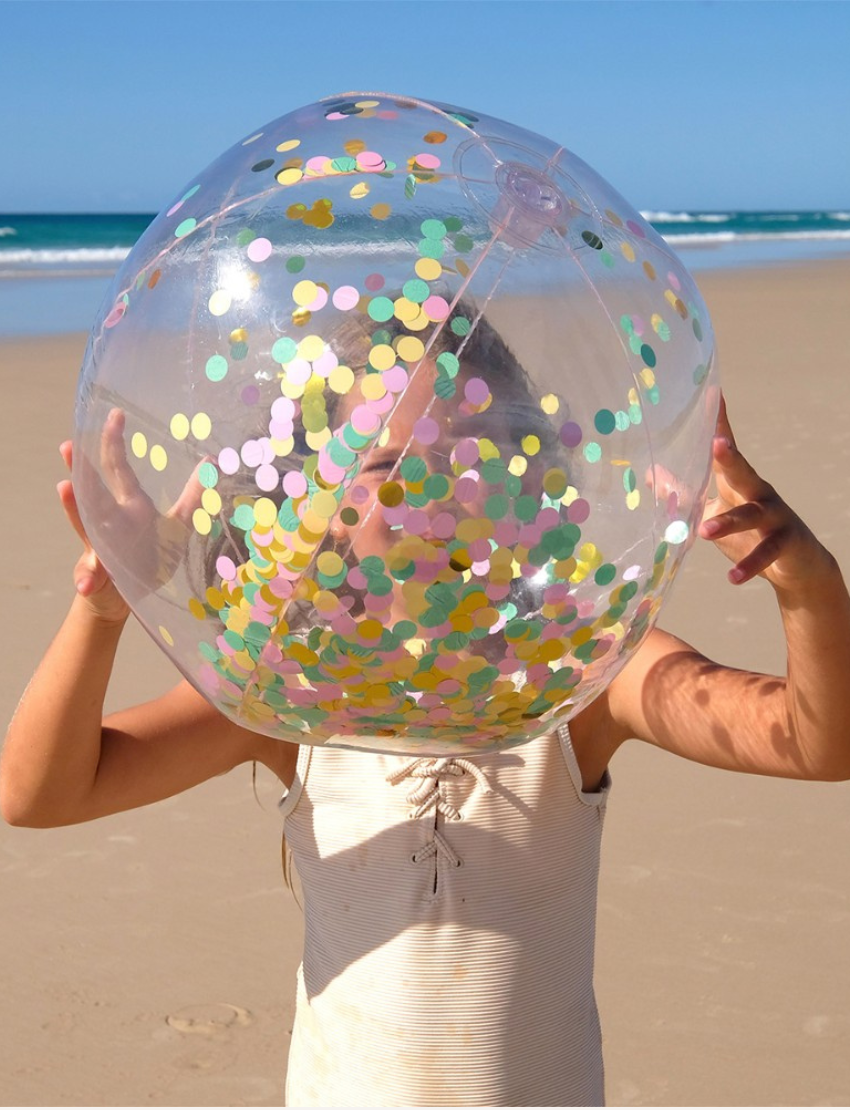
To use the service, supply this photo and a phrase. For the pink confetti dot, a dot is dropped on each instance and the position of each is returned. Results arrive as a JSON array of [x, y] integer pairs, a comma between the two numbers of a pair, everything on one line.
[[325, 363], [417, 522], [370, 160], [639, 325], [443, 526], [476, 391], [674, 281], [299, 371], [335, 116], [226, 568], [579, 511], [228, 461], [316, 165], [505, 533], [281, 429], [282, 409], [320, 300], [345, 298], [252, 453], [266, 478], [374, 282], [436, 308], [479, 550], [396, 514], [395, 379], [115, 315], [364, 420], [426, 430], [357, 579], [174, 208], [359, 495], [636, 229], [585, 609], [330, 472], [466, 452], [631, 573], [259, 250], [466, 489], [386, 113], [250, 395], [428, 161], [548, 518]]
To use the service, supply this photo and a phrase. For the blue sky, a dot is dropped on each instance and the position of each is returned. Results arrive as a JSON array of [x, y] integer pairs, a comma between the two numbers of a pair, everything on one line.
[[111, 105]]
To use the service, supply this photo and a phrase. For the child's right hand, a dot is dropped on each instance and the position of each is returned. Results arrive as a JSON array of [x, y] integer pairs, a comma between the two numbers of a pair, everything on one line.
[[91, 581]]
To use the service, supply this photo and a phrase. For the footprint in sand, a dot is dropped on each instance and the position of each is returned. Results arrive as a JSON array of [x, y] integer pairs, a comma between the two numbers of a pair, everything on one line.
[[210, 1019]]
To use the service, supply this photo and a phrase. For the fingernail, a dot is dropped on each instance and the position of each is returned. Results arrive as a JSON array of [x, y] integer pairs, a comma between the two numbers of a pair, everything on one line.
[[737, 575], [710, 527]]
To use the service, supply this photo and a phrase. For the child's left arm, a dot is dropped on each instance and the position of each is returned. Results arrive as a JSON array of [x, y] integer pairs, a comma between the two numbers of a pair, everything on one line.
[[797, 726]]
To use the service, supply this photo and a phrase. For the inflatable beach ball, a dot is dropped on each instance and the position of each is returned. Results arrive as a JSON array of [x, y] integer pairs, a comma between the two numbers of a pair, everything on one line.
[[395, 427]]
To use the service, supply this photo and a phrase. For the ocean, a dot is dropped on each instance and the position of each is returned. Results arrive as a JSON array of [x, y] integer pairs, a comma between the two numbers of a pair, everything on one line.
[[55, 268]]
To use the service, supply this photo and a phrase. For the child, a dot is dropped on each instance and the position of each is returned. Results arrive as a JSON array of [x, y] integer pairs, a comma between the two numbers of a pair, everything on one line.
[[450, 903]]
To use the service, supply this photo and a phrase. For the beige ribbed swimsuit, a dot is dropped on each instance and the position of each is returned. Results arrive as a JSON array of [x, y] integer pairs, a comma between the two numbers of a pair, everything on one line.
[[449, 917]]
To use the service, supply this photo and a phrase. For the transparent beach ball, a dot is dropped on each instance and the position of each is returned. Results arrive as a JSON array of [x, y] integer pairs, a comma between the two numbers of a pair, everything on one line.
[[395, 427]]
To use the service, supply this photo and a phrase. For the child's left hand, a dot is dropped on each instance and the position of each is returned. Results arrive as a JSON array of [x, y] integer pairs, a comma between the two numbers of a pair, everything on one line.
[[753, 526]]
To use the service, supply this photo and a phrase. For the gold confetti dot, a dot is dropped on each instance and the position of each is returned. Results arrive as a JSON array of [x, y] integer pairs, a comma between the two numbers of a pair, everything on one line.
[[197, 609], [380, 211], [357, 192]]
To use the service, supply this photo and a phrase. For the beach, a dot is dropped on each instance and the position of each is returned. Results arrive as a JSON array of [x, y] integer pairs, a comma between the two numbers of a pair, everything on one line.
[[149, 958]]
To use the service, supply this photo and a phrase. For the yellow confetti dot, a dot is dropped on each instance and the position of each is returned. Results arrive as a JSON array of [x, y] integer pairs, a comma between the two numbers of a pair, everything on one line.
[[357, 192], [410, 348], [419, 322], [330, 564], [550, 404], [290, 176], [380, 211], [166, 635], [518, 466], [367, 103], [211, 501], [290, 144], [220, 302], [201, 425], [201, 522], [158, 457], [633, 499], [429, 269], [628, 252], [311, 347], [282, 447], [341, 379], [139, 445], [179, 425], [265, 512], [647, 377], [372, 386], [304, 293], [197, 609], [324, 504], [530, 444], [239, 335], [405, 310], [324, 600], [317, 440], [382, 357]]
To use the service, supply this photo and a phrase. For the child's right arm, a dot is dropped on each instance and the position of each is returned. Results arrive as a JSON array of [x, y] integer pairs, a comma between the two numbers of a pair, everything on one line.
[[62, 763]]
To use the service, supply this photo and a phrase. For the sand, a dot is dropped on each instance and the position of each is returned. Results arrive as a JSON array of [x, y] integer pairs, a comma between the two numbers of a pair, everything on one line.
[[148, 959]]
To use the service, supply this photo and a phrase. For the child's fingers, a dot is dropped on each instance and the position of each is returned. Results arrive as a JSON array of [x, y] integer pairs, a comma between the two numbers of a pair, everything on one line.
[[759, 559], [724, 428], [66, 450], [746, 517], [190, 497], [736, 479], [121, 480], [65, 489]]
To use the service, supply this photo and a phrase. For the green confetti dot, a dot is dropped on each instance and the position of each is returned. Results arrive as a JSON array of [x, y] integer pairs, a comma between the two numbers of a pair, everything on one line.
[[410, 186], [648, 355], [436, 487], [415, 290], [296, 264], [216, 368], [525, 507], [496, 506], [445, 388], [453, 223], [413, 469], [628, 591], [284, 350], [460, 325], [627, 325], [238, 351], [663, 331], [432, 248], [448, 364], [635, 414], [697, 329], [605, 574], [208, 475], [629, 480], [233, 639], [654, 395], [607, 259], [243, 518], [404, 629], [621, 420], [700, 374], [592, 452], [344, 164], [381, 309], [493, 471], [605, 422], [463, 244], [184, 227], [245, 236], [433, 229]]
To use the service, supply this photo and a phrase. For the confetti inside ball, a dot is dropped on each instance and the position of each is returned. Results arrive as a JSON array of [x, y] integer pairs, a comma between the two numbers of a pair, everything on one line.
[[395, 427]]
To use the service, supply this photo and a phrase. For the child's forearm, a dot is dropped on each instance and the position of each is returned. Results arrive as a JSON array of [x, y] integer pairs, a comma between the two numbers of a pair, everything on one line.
[[817, 692], [53, 745]]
